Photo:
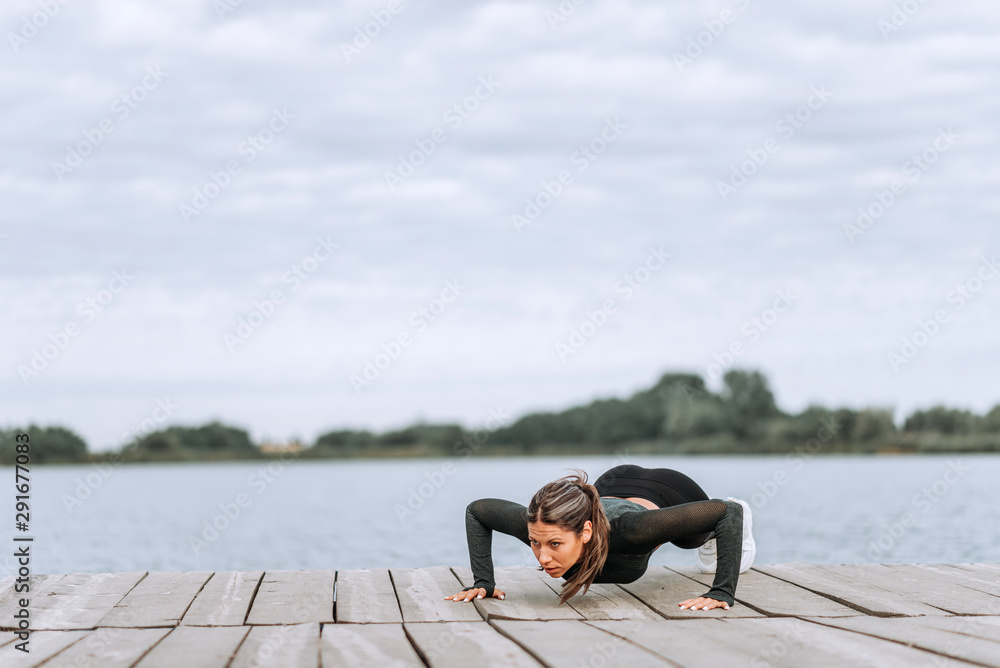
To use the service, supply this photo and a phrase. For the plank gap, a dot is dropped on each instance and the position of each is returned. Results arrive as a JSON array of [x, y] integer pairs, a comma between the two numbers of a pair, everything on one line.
[[911, 645], [413, 643], [253, 596], [837, 599], [399, 605], [527, 651]]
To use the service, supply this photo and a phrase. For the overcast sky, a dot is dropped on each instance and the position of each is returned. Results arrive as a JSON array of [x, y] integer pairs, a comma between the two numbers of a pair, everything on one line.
[[169, 169]]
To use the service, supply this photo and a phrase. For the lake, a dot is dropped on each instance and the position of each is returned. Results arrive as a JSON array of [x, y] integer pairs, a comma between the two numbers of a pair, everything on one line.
[[410, 513]]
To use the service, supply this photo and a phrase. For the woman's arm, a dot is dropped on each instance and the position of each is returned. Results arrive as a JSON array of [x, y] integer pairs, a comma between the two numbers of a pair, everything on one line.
[[482, 518], [643, 531]]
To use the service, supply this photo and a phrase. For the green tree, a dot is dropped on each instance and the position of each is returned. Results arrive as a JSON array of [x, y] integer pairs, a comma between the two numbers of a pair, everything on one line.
[[991, 421], [873, 424], [748, 403], [47, 445], [344, 440], [941, 420], [689, 409], [210, 441]]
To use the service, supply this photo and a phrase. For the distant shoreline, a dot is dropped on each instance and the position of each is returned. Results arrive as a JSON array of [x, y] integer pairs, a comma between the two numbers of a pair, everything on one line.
[[913, 448], [677, 416]]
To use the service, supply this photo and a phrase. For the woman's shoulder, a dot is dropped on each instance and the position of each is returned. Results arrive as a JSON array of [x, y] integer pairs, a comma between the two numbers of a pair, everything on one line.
[[615, 507]]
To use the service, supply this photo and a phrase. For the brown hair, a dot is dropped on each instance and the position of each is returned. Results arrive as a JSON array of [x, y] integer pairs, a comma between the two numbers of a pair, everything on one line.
[[568, 503]]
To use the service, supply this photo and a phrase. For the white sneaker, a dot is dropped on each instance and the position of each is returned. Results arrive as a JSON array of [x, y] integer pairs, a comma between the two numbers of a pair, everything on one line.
[[749, 544], [706, 556]]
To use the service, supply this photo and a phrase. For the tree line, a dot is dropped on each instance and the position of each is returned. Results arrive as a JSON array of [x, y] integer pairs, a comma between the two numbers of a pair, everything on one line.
[[677, 415]]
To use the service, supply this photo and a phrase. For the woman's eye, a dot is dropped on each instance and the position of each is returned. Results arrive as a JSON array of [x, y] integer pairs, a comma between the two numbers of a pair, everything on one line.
[[555, 544]]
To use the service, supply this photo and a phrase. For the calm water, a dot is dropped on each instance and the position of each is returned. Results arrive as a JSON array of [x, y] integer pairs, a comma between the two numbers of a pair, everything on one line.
[[364, 514]]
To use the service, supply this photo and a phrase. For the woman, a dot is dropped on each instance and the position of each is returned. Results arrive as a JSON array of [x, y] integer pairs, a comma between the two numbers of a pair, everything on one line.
[[607, 531]]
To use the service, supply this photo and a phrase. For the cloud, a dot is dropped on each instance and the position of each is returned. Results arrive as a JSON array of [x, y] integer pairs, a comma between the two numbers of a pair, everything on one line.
[[354, 120]]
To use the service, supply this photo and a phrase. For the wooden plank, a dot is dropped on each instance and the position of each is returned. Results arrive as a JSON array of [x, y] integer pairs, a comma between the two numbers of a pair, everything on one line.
[[464, 644], [526, 596], [110, 648], [363, 645], [421, 593], [777, 642], [565, 643], [942, 635], [80, 600], [196, 647], [992, 568], [225, 600], [987, 628], [981, 581], [293, 597], [605, 601], [690, 643], [294, 646], [774, 597], [662, 590], [816, 645], [160, 599], [922, 585], [842, 588], [10, 599], [366, 596], [42, 645], [81, 584]]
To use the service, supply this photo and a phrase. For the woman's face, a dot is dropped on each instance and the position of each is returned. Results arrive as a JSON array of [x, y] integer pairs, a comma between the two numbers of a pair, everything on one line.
[[556, 548]]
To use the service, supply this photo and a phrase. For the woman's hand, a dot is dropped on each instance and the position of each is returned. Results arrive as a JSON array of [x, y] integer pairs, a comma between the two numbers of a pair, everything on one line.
[[477, 592], [703, 603]]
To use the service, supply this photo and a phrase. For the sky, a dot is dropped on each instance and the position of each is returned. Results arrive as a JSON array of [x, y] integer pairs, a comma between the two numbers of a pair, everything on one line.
[[297, 216]]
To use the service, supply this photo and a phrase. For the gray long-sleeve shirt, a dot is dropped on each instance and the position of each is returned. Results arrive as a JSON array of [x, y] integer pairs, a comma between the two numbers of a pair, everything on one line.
[[635, 532]]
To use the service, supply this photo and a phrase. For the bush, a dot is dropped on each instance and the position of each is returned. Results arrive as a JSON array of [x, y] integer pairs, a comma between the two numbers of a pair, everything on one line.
[[48, 445], [941, 420], [873, 424]]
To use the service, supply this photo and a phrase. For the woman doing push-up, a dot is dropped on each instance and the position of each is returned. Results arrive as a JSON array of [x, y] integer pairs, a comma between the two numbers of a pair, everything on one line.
[[607, 531]]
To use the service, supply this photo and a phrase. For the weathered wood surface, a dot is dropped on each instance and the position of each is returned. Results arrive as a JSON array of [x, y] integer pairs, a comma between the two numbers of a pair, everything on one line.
[[366, 596], [839, 586], [225, 600], [293, 597], [605, 601], [571, 644], [665, 589], [9, 597], [159, 599], [367, 645], [918, 584], [79, 600], [421, 593], [969, 638], [526, 597], [774, 597], [781, 642], [980, 580], [196, 647], [109, 647], [294, 645], [44, 645], [805, 615], [464, 644]]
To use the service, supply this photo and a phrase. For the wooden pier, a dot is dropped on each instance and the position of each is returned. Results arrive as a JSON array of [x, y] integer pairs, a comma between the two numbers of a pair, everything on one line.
[[933, 616]]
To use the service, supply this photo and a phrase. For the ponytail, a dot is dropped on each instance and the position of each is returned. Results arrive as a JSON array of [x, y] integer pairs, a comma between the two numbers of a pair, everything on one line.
[[569, 502]]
